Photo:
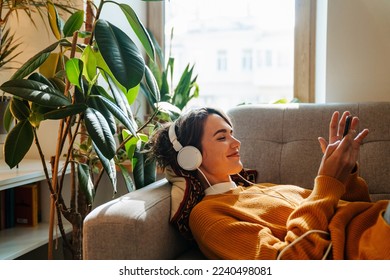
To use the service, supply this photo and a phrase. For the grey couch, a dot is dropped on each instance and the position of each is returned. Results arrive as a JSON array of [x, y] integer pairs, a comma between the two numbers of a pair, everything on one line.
[[279, 141]]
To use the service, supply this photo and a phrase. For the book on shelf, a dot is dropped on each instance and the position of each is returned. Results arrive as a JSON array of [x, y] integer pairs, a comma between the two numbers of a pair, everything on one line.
[[26, 205], [2, 210], [9, 208]]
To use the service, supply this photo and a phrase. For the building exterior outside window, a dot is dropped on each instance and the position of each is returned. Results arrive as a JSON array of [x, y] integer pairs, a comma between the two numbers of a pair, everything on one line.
[[243, 51]]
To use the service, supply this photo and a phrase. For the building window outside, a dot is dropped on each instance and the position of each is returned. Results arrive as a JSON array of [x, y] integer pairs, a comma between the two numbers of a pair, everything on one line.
[[247, 60], [221, 61], [251, 42]]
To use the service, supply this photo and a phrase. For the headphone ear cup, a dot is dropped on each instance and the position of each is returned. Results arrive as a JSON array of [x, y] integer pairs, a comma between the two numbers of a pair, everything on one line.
[[189, 158]]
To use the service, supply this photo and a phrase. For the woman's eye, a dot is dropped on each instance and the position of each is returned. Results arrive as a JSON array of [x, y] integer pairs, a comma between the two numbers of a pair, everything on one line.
[[221, 138]]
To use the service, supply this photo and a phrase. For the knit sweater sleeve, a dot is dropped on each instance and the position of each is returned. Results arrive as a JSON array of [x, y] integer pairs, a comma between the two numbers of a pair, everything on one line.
[[356, 189], [308, 225]]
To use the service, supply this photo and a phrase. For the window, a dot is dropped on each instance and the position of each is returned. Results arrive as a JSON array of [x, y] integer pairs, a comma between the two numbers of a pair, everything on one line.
[[250, 43], [221, 61], [247, 60]]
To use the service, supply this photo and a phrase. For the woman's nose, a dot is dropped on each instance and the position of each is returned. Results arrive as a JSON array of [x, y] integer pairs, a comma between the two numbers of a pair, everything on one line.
[[236, 143]]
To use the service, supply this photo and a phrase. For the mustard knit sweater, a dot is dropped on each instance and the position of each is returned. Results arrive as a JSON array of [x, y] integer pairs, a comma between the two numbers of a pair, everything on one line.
[[270, 221]]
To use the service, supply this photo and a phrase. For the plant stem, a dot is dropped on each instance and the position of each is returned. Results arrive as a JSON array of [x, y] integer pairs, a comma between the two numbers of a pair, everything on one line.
[[60, 144], [98, 11]]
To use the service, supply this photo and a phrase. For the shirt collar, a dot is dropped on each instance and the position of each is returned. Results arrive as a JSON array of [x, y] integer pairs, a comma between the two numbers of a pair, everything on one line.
[[220, 188]]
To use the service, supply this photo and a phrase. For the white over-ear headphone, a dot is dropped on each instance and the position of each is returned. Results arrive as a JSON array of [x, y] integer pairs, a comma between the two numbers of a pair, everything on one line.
[[189, 157]]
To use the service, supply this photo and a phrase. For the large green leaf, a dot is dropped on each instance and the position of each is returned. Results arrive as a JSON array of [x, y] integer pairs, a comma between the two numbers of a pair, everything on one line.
[[138, 169], [130, 144], [74, 23], [106, 72], [51, 65], [19, 109], [122, 102], [131, 94], [120, 53], [74, 68], [37, 92], [150, 171], [78, 96], [38, 77], [58, 83], [144, 169], [127, 178], [117, 112], [8, 118], [33, 63], [55, 21], [109, 167], [18, 142], [90, 64], [100, 133], [85, 181], [152, 85], [148, 96], [139, 30], [97, 103], [64, 112]]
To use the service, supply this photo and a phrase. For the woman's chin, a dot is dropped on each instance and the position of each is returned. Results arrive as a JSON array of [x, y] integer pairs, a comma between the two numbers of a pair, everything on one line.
[[237, 168]]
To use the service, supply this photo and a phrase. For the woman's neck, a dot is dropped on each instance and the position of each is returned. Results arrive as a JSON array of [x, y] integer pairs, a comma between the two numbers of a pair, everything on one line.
[[208, 181]]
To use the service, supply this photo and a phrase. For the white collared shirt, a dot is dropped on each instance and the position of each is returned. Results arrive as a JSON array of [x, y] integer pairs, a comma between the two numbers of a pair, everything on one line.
[[220, 188]]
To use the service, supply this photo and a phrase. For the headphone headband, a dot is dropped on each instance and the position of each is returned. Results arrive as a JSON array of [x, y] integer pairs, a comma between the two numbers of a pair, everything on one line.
[[173, 138]]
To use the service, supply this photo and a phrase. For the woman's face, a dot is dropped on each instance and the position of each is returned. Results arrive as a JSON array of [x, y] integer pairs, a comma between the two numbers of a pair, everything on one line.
[[220, 150]]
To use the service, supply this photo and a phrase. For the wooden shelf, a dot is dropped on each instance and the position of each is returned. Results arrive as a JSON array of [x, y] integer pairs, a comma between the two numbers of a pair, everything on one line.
[[28, 171], [17, 241]]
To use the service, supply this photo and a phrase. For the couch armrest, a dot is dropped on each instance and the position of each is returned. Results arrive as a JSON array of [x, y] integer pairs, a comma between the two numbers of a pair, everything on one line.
[[133, 226]]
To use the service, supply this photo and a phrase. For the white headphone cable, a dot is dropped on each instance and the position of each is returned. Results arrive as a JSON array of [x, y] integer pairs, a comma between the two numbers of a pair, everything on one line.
[[303, 236], [204, 176]]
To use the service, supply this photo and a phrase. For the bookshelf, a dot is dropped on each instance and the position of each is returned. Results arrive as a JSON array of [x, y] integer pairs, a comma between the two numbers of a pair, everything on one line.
[[19, 240]]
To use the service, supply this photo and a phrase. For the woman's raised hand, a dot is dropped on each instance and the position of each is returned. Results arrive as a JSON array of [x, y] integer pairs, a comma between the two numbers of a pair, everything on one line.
[[340, 154]]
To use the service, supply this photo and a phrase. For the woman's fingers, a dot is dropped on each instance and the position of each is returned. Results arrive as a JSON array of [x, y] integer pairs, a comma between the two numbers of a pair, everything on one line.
[[323, 144], [333, 127], [337, 125], [342, 124]]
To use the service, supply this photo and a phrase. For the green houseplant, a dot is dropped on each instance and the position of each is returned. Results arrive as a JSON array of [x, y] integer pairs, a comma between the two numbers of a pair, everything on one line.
[[174, 97], [91, 78], [9, 42]]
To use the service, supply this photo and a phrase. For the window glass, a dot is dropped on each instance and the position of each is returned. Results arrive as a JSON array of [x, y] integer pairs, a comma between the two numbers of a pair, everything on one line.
[[243, 51]]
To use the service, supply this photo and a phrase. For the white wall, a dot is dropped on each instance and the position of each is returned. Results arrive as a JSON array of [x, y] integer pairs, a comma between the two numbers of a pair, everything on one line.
[[357, 62]]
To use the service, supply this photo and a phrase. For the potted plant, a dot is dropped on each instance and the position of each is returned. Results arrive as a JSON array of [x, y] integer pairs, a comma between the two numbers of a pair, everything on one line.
[[92, 80]]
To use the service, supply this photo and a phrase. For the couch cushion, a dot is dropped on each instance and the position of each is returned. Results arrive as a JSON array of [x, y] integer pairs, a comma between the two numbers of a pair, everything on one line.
[[282, 144]]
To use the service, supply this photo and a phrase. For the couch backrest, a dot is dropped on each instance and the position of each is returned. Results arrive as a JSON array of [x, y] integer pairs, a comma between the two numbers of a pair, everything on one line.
[[281, 141]]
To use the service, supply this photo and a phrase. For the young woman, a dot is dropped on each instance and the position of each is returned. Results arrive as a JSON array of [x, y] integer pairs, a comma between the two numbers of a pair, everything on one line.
[[272, 221]]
